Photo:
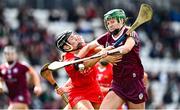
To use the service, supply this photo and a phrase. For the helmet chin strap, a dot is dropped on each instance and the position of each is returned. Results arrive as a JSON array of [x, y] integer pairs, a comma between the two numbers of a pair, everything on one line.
[[71, 47]]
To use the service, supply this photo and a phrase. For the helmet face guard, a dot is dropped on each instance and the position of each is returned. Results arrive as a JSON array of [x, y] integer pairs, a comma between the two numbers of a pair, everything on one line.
[[62, 40], [114, 14]]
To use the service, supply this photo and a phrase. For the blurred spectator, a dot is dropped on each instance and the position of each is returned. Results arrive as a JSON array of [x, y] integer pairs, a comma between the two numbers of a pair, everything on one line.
[[54, 16]]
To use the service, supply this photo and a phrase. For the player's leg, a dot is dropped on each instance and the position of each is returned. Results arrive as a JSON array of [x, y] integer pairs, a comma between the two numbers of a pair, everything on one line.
[[111, 101], [84, 105], [146, 81], [16, 106], [136, 106]]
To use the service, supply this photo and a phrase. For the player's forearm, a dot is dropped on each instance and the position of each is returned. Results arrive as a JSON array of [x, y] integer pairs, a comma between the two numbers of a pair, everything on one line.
[[91, 62], [120, 50], [84, 51], [126, 48], [36, 79], [98, 49], [68, 82], [1, 84]]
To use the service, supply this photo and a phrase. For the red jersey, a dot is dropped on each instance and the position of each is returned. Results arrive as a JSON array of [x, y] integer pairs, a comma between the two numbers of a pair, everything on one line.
[[15, 79], [104, 76], [84, 84]]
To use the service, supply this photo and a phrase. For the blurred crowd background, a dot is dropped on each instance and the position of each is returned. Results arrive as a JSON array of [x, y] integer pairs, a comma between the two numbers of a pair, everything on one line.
[[32, 26]]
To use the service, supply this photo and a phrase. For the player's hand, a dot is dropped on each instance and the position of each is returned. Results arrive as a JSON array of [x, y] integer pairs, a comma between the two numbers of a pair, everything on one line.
[[45, 68], [1, 87], [1, 90], [37, 90], [103, 53], [59, 91], [109, 48], [113, 59], [66, 88]]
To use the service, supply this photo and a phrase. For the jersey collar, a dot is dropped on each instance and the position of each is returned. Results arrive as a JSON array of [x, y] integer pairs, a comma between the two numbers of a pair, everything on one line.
[[121, 32]]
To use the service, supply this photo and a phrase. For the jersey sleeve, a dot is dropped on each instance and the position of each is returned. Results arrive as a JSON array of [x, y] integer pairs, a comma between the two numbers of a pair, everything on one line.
[[24, 68], [134, 35], [2, 68], [0, 72], [103, 39], [69, 67]]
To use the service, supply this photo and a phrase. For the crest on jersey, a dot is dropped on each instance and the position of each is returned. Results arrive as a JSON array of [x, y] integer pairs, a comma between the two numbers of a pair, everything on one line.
[[141, 96], [134, 75], [20, 98], [15, 70]]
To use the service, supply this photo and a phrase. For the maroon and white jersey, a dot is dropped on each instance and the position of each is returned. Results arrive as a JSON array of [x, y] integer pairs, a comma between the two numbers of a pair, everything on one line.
[[129, 72], [16, 81], [131, 58]]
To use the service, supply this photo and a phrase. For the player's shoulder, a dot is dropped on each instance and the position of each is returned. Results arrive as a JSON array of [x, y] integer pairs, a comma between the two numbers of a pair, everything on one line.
[[133, 33], [105, 34], [128, 27], [2, 66], [68, 56], [22, 63]]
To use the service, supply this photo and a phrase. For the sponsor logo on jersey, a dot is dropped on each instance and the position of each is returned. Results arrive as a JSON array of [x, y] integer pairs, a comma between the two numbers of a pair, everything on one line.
[[134, 75]]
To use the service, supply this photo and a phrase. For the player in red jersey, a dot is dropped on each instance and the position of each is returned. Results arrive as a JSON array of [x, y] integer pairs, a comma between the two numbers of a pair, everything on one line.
[[13, 73], [85, 92], [104, 75], [127, 85]]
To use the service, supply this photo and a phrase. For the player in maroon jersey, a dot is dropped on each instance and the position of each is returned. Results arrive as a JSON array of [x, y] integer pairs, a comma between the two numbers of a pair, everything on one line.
[[127, 85], [13, 73], [104, 77]]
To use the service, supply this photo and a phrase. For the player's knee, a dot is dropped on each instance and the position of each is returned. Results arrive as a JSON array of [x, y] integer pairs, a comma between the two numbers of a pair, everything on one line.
[[136, 106], [145, 79]]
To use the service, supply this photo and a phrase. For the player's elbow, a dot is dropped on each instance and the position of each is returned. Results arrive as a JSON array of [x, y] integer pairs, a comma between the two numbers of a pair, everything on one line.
[[89, 47], [90, 63], [92, 45], [125, 50]]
